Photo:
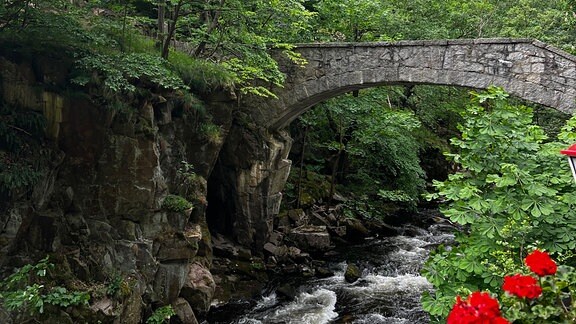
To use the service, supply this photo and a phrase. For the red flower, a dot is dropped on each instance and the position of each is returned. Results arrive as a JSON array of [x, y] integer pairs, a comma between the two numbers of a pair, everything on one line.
[[478, 308], [522, 286], [540, 263]]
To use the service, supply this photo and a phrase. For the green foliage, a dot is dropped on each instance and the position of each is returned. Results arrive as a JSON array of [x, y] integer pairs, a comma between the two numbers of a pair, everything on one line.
[[381, 150], [237, 34], [350, 20], [161, 315], [513, 192], [17, 174], [257, 265], [20, 130], [17, 125], [201, 75], [211, 132], [370, 20], [118, 287], [363, 207], [255, 67], [176, 203], [27, 290], [186, 171], [40, 25], [121, 72]]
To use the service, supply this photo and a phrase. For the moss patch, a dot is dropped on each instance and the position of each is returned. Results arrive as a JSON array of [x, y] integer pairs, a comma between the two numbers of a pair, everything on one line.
[[176, 203]]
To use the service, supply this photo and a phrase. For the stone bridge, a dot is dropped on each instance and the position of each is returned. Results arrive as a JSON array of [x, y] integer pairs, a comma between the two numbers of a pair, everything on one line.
[[253, 163], [526, 68]]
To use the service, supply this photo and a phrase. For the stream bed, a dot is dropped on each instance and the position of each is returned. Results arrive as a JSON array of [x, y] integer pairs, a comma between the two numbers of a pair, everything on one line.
[[388, 291]]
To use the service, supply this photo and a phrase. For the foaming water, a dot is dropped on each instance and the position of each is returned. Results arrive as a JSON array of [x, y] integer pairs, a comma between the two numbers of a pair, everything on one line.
[[315, 307], [387, 293]]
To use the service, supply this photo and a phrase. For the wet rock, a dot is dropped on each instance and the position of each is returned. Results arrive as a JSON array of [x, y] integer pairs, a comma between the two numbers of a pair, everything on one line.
[[311, 238], [223, 247], [173, 247], [287, 290], [290, 269], [283, 222], [297, 255], [132, 309], [294, 252], [59, 316], [105, 306], [338, 198], [355, 230], [317, 219], [198, 290], [270, 248], [352, 273], [276, 238], [184, 311], [331, 254], [79, 267], [382, 228], [169, 279], [322, 272], [339, 231], [409, 230], [306, 271], [298, 217]]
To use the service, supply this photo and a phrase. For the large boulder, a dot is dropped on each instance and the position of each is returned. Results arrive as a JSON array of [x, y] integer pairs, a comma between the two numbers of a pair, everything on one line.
[[198, 290], [311, 238], [355, 230]]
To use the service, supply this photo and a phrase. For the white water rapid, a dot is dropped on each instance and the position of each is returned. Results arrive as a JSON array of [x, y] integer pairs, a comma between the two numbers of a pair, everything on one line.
[[388, 292]]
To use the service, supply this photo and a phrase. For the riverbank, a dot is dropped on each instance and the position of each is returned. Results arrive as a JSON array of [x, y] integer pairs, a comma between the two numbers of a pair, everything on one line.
[[299, 269]]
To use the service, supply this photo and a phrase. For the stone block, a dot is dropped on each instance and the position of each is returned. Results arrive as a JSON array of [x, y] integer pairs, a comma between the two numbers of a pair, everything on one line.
[[311, 238]]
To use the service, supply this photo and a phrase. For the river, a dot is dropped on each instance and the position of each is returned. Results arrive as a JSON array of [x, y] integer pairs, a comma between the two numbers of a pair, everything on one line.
[[388, 292]]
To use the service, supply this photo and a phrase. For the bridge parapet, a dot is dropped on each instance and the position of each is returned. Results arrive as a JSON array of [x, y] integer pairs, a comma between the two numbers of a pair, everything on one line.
[[526, 68]]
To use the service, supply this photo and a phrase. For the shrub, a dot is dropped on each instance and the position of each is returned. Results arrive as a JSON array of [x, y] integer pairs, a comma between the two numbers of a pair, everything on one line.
[[28, 290], [176, 203], [513, 193], [161, 315]]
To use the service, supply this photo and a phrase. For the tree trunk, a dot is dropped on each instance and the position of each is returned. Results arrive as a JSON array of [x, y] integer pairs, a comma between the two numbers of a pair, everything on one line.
[[171, 29], [301, 171], [161, 15], [336, 165], [212, 22]]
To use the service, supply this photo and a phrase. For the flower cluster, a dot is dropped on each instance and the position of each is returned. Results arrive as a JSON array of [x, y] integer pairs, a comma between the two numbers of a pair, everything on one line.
[[479, 308], [540, 263], [522, 286]]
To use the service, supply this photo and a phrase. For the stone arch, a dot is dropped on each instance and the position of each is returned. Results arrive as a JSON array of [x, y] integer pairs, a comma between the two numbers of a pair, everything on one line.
[[253, 165], [528, 69]]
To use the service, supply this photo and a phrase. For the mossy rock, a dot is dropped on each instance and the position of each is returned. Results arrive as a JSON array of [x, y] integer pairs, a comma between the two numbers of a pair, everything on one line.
[[352, 273], [176, 203]]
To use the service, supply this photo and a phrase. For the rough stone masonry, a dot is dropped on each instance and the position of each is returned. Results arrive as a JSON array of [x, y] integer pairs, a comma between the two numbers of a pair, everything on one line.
[[526, 68]]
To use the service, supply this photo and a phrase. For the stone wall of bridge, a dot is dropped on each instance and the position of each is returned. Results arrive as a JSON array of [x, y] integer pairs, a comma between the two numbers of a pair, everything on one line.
[[254, 162], [527, 69]]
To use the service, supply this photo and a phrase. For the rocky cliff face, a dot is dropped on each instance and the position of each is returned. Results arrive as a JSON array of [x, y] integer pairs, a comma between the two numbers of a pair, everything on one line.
[[113, 199]]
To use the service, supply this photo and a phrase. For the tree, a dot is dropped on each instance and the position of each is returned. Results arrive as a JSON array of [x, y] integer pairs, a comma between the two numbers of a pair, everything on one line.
[[512, 193], [367, 145]]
